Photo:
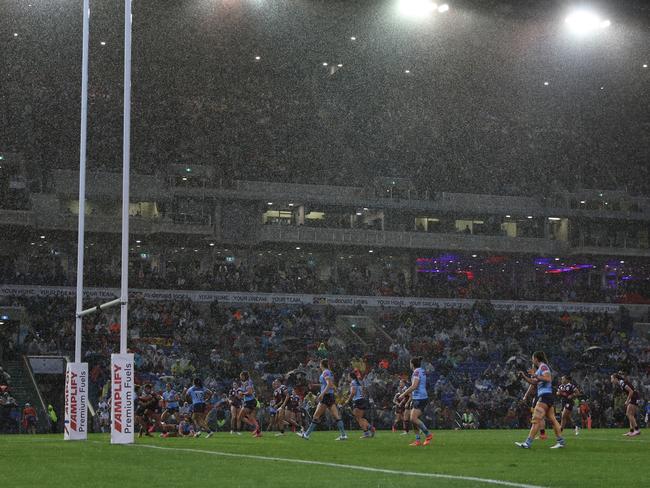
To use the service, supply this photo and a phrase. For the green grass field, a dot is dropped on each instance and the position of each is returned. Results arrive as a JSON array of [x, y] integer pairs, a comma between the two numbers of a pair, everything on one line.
[[599, 458]]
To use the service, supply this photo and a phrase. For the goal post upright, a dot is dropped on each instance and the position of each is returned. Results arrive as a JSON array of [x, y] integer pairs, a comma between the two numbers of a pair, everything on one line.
[[126, 169], [122, 364], [76, 374]]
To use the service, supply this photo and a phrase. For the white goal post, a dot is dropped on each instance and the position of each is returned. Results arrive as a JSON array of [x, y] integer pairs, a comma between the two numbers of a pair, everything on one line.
[[122, 364]]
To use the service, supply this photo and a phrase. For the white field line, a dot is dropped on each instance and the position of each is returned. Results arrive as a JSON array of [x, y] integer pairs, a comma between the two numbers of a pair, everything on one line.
[[342, 466], [602, 439]]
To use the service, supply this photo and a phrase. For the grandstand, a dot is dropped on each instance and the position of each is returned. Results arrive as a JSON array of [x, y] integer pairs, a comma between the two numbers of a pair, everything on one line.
[[322, 250]]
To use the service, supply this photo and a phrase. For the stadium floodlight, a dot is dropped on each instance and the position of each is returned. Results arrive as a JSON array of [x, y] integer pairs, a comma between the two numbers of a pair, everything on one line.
[[417, 8], [443, 8], [582, 22]]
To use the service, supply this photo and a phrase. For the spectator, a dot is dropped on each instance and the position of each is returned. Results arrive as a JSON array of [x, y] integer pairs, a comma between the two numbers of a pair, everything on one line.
[[30, 419], [53, 419]]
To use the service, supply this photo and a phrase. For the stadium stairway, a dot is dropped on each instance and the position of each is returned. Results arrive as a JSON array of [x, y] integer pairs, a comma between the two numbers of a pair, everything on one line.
[[352, 329], [24, 391], [362, 329]]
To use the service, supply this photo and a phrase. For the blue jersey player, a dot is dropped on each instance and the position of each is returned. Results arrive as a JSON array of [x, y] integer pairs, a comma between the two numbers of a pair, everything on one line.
[[360, 403], [199, 395], [419, 400], [545, 406], [171, 402], [249, 408], [326, 402]]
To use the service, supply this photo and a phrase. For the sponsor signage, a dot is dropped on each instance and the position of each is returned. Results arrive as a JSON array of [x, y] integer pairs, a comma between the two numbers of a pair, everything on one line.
[[75, 421], [105, 294], [122, 399]]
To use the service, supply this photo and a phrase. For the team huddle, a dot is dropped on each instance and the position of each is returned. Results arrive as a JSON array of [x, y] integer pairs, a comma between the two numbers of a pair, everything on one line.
[[185, 414]]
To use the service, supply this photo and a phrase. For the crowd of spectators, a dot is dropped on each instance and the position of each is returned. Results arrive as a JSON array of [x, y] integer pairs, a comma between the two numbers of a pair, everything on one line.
[[491, 277], [471, 355]]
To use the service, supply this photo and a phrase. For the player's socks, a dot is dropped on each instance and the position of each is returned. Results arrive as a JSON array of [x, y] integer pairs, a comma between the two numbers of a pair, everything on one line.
[[339, 424], [310, 429], [423, 427]]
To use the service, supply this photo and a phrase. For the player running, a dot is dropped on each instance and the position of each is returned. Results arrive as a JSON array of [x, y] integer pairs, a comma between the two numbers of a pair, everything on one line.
[[199, 396], [146, 414], [402, 410], [419, 400], [544, 408], [171, 399], [249, 410], [631, 402], [292, 411], [359, 396], [567, 391], [326, 402], [532, 392], [235, 408], [280, 401]]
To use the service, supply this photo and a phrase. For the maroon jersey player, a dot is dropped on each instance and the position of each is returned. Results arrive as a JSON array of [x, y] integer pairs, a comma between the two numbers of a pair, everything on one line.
[[620, 381]]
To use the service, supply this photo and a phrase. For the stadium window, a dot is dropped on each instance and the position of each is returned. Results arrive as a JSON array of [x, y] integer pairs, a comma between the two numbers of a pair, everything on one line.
[[315, 215], [277, 217]]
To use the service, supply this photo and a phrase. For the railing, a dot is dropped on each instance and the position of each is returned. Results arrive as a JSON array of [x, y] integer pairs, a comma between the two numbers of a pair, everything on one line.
[[16, 217], [38, 391], [413, 240]]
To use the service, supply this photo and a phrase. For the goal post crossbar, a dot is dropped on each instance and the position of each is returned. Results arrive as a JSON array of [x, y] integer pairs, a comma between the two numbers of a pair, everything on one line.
[[99, 308]]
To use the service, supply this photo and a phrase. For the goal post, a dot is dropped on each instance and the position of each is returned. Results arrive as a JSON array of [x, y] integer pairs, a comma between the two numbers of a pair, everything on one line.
[[122, 365], [76, 373], [122, 371]]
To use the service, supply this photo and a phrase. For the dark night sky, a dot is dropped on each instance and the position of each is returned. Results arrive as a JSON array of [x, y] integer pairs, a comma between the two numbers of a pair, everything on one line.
[[473, 114]]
